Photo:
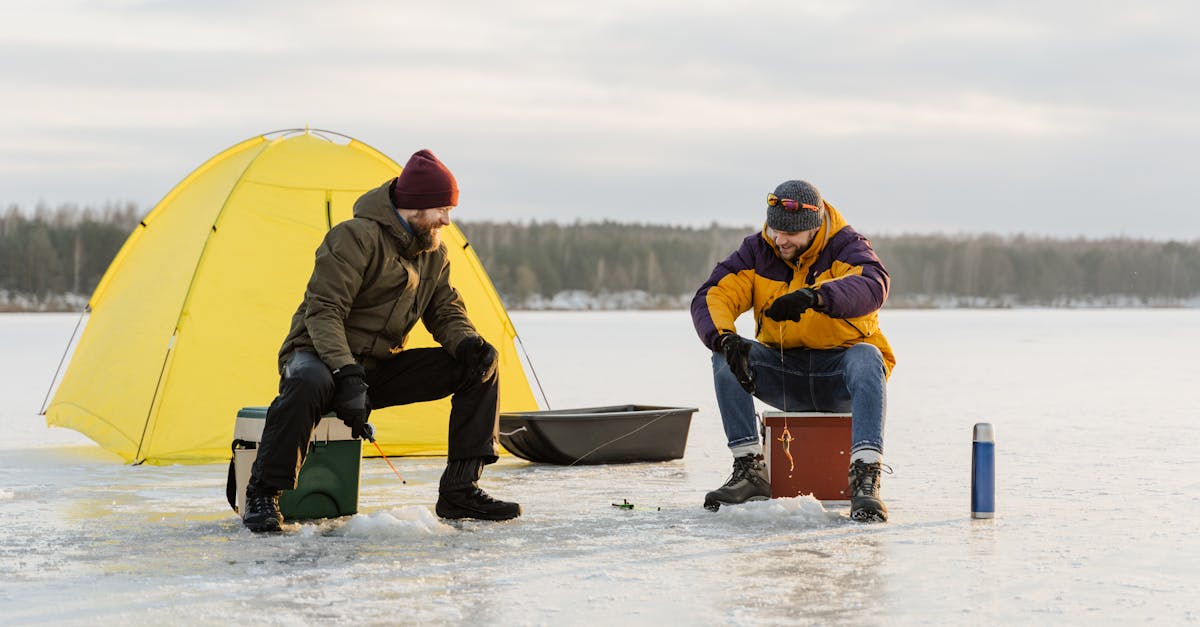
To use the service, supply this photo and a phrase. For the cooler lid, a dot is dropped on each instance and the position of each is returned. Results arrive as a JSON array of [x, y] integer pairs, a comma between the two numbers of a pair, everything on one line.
[[777, 416], [250, 421]]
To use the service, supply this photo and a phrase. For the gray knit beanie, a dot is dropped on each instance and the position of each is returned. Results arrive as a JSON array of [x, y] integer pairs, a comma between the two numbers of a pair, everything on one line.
[[801, 218]]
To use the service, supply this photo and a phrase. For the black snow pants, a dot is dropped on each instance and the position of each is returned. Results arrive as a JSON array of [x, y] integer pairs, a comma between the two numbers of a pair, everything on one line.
[[415, 375]]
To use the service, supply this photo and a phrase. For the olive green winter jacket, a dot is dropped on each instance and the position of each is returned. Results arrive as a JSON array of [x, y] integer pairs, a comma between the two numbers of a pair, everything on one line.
[[369, 286]]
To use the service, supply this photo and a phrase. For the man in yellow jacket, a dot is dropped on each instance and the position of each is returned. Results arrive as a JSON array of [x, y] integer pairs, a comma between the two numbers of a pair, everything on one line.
[[816, 287]]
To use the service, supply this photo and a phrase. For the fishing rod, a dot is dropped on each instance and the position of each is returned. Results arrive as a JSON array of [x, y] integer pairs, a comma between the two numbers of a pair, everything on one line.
[[371, 436]]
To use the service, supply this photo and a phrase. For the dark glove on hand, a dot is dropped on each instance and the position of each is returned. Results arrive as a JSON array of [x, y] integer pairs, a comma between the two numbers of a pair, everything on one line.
[[792, 305], [350, 399], [737, 354], [479, 357]]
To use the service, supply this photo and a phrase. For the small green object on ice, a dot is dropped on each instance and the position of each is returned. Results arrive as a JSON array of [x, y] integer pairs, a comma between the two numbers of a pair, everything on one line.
[[625, 504]]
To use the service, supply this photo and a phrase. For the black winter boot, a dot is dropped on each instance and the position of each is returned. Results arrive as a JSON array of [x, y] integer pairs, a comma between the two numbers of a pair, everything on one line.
[[262, 508], [865, 504], [747, 483], [459, 495]]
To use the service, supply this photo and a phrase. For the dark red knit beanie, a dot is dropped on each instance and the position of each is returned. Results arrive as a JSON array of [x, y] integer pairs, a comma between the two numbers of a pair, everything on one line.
[[424, 183]]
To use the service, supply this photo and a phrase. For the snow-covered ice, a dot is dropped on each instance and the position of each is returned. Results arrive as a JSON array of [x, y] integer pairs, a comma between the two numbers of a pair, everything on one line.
[[1097, 498]]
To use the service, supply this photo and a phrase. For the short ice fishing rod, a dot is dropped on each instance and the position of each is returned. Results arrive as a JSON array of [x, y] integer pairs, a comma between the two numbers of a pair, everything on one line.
[[370, 429]]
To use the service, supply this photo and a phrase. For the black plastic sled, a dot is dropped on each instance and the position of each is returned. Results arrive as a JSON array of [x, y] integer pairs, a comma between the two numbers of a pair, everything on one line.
[[597, 435]]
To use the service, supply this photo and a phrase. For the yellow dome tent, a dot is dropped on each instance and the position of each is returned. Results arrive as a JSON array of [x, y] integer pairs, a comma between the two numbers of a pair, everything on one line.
[[185, 325]]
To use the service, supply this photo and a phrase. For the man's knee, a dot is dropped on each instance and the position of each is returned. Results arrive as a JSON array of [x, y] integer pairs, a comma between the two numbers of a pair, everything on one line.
[[305, 376], [864, 359], [868, 353]]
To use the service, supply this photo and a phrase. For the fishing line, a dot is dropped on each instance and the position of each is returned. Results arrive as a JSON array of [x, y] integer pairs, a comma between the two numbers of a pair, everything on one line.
[[782, 368], [786, 437]]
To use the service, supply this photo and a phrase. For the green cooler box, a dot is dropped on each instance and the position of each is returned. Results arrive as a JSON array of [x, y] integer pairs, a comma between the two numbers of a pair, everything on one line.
[[328, 482]]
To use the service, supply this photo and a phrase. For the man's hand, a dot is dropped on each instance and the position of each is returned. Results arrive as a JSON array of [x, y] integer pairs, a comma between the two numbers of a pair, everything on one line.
[[792, 305], [350, 399], [737, 354], [478, 357]]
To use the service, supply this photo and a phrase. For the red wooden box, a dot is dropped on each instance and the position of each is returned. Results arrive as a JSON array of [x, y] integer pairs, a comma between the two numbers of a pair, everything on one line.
[[808, 453]]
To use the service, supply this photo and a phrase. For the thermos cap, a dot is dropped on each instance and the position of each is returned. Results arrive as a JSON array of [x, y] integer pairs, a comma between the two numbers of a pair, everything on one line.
[[984, 432]]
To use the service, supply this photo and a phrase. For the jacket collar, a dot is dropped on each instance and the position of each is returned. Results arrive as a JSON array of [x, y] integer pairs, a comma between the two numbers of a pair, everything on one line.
[[376, 205]]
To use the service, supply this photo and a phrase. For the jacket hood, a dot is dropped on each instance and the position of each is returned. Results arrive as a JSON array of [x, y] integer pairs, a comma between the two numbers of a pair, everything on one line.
[[376, 205]]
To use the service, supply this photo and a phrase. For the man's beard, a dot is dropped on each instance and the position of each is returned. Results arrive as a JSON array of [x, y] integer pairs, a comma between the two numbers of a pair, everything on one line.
[[427, 238]]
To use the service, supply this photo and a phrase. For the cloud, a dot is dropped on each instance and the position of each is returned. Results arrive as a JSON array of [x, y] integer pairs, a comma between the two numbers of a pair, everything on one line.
[[925, 113]]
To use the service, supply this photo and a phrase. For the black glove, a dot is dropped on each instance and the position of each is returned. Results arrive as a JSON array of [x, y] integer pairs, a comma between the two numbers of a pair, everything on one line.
[[737, 354], [478, 356], [792, 305], [350, 400]]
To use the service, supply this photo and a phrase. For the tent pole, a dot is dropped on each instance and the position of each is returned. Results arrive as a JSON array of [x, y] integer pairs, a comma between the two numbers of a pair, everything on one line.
[[533, 370], [137, 457], [61, 361]]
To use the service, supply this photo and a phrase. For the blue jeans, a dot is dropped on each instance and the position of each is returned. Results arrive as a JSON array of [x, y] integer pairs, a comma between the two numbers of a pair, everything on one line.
[[834, 380]]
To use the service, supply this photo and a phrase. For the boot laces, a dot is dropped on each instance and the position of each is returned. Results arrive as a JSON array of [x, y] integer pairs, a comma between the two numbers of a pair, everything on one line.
[[483, 496], [743, 469], [261, 502], [864, 477]]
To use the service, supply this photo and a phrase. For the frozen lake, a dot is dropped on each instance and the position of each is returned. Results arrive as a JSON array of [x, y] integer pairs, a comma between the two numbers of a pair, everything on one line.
[[1098, 496]]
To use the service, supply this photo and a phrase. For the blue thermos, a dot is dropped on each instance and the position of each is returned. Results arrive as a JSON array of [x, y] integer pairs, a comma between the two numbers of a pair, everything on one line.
[[983, 471]]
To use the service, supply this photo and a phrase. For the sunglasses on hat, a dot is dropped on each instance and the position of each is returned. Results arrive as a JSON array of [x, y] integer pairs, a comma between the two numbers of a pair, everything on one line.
[[788, 204]]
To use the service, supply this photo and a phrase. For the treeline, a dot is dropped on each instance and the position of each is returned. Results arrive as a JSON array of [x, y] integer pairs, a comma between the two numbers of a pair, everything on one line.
[[532, 262], [53, 259], [995, 271]]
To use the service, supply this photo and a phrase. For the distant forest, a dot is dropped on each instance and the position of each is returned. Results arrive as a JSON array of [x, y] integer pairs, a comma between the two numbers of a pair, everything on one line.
[[53, 259], [530, 262]]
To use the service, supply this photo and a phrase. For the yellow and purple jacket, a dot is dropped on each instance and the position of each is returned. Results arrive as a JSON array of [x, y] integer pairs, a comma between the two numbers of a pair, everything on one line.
[[840, 264]]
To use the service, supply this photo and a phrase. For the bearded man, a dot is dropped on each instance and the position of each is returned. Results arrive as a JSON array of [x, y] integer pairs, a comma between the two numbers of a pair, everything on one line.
[[375, 275], [816, 287]]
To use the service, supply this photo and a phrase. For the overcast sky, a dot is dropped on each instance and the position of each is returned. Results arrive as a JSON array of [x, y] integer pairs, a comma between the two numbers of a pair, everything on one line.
[[1056, 118]]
